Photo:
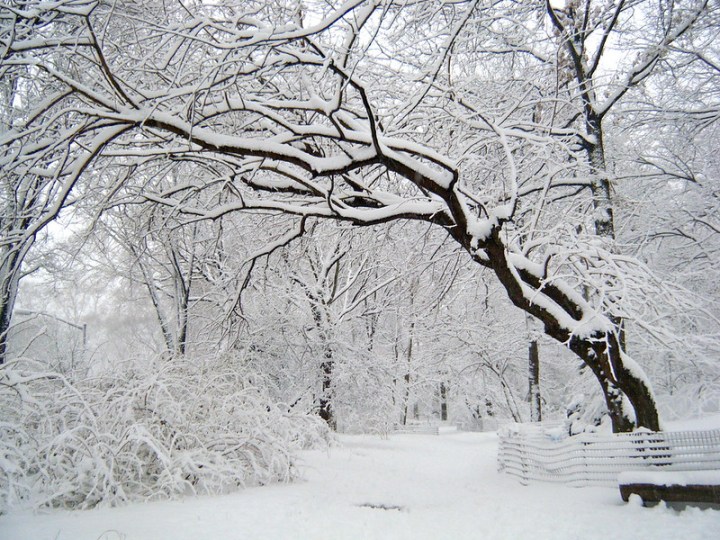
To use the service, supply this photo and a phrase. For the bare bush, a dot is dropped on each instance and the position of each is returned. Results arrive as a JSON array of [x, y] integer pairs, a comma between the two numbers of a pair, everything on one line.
[[161, 429]]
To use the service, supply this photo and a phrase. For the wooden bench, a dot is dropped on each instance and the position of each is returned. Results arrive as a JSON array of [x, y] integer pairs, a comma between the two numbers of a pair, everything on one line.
[[674, 487]]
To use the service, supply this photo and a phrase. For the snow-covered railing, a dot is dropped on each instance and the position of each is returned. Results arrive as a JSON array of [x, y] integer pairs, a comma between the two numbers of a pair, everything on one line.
[[425, 429], [483, 424], [544, 453]]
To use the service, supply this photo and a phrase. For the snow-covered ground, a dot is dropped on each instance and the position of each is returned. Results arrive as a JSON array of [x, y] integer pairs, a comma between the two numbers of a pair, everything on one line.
[[406, 487]]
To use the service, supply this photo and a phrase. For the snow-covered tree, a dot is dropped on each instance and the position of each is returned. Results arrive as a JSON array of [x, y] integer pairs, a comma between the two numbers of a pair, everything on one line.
[[366, 112]]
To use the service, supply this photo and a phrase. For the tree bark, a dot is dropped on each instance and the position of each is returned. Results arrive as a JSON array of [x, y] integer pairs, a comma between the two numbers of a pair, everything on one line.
[[408, 374], [534, 381], [443, 402], [327, 366], [326, 411], [9, 281]]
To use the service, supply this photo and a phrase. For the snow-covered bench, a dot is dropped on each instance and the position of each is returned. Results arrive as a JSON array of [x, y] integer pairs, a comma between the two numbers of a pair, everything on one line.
[[671, 486]]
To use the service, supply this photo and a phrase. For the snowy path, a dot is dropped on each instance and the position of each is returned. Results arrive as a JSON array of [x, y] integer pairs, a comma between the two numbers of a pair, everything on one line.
[[432, 487]]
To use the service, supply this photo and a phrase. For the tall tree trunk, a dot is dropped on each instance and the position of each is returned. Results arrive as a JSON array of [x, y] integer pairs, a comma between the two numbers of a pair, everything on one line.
[[327, 366], [407, 377], [153, 294], [616, 380], [6, 308], [605, 354], [10, 273], [326, 411], [443, 402], [534, 381], [406, 399]]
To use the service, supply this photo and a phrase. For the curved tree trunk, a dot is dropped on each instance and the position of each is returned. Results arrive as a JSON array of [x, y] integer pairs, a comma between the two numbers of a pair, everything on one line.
[[628, 396]]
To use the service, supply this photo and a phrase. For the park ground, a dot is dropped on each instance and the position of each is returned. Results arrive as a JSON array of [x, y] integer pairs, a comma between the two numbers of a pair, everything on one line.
[[407, 486]]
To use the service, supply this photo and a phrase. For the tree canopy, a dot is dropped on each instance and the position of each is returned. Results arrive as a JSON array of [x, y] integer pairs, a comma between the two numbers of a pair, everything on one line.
[[497, 122]]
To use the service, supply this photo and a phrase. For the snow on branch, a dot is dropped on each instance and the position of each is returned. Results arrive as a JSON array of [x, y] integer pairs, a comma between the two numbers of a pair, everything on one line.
[[159, 429]]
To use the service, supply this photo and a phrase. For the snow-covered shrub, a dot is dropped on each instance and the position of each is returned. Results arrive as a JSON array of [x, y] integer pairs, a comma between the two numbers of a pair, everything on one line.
[[159, 430], [586, 415]]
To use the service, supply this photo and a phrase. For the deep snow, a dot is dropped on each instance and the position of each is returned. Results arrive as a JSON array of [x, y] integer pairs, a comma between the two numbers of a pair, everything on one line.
[[405, 486]]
